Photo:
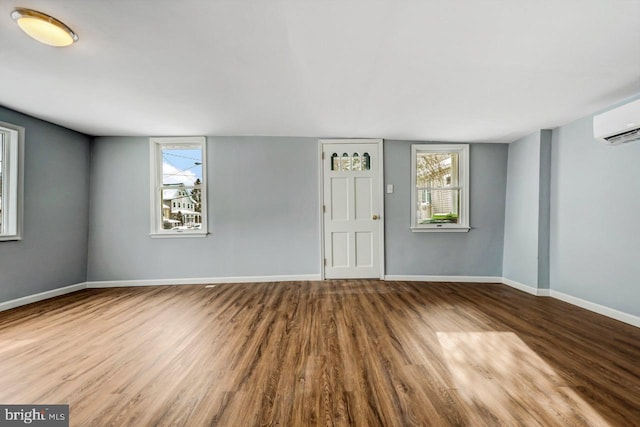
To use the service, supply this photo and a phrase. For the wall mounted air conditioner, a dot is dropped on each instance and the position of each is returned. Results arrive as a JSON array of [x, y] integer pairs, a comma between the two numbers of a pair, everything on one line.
[[619, 125]]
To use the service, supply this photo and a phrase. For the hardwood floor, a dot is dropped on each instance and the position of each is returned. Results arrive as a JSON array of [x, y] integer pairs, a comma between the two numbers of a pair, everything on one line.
[[352, 352]]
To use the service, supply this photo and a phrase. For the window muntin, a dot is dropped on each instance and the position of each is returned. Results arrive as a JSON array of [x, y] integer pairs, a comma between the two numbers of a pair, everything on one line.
[[440, 197], [178, 187], [11, 162]]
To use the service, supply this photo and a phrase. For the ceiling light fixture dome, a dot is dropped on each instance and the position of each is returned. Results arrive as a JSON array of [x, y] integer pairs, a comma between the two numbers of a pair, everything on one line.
[[43, 28]]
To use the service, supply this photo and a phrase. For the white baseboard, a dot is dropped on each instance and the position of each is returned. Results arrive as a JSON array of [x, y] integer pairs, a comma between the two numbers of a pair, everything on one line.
[[8, 305], [544, 293], [597, 308], [202, 281], [466, 279], [526, 288], [588, 305]]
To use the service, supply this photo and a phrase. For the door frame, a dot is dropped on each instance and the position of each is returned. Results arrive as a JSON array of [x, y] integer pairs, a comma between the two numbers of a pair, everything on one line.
[[380, 143]]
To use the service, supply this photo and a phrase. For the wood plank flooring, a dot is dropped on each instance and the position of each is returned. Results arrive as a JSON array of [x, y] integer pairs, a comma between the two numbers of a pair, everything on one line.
[[351, 352]]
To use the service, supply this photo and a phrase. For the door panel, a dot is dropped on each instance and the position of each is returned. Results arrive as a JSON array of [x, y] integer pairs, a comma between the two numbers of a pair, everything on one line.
[[351, 183], [339, 199], [340, 249], [363, 198], [364, 246]]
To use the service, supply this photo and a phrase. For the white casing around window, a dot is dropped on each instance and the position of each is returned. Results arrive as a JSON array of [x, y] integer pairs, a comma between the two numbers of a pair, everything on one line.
[[156, 144], [12, 181], [463, 152]]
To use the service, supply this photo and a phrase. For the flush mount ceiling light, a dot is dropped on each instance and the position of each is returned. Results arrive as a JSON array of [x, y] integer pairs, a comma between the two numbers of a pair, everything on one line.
[[44, 28]]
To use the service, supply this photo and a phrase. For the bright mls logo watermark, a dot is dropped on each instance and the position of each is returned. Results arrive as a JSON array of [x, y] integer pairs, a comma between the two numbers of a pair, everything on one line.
[[34, 415]]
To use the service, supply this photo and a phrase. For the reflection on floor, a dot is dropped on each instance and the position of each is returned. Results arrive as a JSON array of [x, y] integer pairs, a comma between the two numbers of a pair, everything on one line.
[[496, 369]]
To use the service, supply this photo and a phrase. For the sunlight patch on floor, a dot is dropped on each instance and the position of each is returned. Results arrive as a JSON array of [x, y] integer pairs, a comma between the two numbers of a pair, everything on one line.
[[502, 378]]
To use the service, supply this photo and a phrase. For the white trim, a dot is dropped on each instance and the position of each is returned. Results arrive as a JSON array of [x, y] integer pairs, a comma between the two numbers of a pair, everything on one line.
[[321, 206], [522, 287], [465, 279], [443, 229], [587, 305], [202, 281], [382, 212], [13, 192], [544, 292], [177, 235], [18, 302], [597, 308], [380, 143]]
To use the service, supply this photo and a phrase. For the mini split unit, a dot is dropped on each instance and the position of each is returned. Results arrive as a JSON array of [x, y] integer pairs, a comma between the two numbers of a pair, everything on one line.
[[619, 125]]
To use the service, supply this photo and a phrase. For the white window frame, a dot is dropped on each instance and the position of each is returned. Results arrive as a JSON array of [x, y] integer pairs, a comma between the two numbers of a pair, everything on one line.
[[12, 181], [463, 180], [156, 145]]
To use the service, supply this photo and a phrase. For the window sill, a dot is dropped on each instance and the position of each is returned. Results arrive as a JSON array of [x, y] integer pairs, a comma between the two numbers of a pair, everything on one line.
[[178, 234], [440, 229], [10, 238]]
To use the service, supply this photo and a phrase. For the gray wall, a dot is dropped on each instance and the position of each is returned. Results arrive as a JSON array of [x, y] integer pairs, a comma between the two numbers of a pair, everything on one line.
[[53, 252], [263, 212], [595, 200], [521, 227], [476, 253], [544, 207]]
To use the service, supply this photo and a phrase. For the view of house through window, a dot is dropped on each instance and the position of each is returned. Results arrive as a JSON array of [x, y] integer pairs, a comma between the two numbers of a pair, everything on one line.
[[181, 188], [178, 169], [438, 190], [440, 197]]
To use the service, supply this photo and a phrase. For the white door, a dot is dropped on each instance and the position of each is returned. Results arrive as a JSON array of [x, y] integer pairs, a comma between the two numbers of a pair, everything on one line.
[[351, 211]]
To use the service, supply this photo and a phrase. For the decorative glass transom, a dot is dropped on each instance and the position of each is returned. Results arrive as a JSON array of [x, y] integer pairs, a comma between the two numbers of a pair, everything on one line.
[[354, 162]]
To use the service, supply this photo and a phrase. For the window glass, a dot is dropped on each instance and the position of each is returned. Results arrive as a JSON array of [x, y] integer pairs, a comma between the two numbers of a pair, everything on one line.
[[436, 202], [181, 166]]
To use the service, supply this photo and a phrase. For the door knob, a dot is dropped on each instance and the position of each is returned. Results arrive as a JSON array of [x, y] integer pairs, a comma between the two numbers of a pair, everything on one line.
[[375, 217]]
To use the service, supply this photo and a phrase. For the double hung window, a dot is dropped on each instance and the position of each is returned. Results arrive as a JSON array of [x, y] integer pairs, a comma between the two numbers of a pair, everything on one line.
[[440, 187], [11, 162], [178, 186]]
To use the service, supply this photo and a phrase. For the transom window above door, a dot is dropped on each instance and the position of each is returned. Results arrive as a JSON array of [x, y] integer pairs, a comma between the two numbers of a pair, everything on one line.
[[354, 162]]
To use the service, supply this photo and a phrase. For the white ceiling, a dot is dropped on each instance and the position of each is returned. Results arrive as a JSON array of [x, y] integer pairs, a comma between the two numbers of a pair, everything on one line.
[[448, 70]]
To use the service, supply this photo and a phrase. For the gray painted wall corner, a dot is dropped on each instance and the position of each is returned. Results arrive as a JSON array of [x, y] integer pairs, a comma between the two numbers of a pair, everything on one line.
[[544, 209], [53, 252], [520, 260], [595, 195], [527, 213]]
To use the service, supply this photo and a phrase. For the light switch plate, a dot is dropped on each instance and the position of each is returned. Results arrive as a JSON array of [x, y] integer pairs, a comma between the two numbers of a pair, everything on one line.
[[389, 188]]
